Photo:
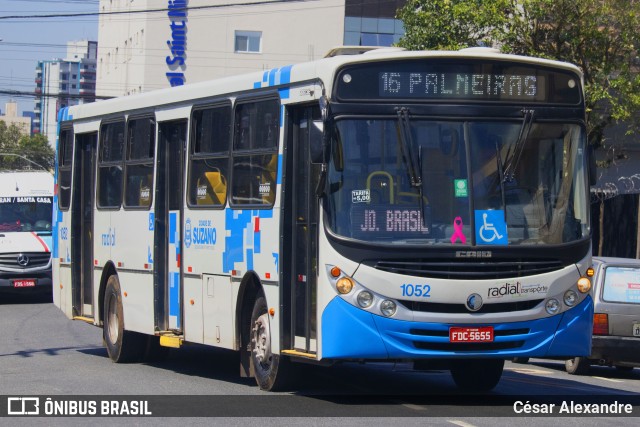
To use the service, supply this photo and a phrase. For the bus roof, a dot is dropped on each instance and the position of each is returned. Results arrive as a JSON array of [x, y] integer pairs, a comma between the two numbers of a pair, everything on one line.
[[323, 69]]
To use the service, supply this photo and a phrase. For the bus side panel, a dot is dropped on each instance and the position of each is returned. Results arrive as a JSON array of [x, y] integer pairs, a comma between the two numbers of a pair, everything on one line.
[[129, 237], [137, 301], [62, 263], [218, 318], [209, 319], [62, 290], [193, 322]]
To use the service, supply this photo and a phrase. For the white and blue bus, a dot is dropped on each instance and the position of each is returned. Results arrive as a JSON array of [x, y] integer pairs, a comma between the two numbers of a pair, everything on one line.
[[430, 207]]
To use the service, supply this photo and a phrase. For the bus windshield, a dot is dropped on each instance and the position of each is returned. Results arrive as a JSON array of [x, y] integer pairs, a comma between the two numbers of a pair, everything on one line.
[[429, 182], [25, 214]]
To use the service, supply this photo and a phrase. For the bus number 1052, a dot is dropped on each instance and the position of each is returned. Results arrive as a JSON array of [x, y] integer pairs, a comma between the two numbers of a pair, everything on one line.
[[409, 290]]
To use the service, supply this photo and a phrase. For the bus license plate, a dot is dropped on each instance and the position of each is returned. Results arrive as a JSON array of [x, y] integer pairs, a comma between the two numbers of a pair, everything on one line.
[[482, 334], [26, 283], [636, 329]]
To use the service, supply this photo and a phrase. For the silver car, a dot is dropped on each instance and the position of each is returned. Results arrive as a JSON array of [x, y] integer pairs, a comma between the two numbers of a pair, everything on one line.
[[616, 319]]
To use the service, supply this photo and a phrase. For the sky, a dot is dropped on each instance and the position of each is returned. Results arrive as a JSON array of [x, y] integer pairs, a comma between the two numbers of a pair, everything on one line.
[[24, 42]]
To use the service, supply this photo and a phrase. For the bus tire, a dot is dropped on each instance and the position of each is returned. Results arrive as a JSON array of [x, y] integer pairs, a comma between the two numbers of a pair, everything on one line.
[[269, 369], [523, 360], [577, 365], [477, 374], [122, 346]]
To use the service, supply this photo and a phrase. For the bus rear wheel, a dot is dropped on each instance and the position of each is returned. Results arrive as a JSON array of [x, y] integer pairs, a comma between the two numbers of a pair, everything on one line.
[[122, 346], [269, 369], [477, 374]]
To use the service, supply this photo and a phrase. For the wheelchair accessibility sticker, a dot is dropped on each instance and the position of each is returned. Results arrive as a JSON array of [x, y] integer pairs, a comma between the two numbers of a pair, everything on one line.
[[491, 228]]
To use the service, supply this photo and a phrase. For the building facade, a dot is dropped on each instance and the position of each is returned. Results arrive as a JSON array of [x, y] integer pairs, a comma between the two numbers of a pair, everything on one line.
[[11, 117], [166, 43], [64, 82]]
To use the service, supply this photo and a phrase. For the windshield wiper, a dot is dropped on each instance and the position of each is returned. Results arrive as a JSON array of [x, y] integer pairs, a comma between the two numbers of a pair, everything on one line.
[[412, 161], [512, 158], [502, 178], [407, 147]]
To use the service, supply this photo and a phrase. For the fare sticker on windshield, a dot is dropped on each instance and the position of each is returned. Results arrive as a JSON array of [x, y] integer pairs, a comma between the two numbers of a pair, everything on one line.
[[460, 188], [360, 196]]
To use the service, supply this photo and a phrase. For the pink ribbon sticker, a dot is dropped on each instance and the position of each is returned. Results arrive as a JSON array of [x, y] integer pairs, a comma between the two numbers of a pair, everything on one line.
[[457, 231]]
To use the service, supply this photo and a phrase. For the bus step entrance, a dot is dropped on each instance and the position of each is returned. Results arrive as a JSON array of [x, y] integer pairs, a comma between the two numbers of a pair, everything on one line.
[[169, 339], [84, 319], [298, 353]]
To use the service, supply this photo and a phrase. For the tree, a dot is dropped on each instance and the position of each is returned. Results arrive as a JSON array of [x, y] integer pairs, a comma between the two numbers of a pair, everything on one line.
[[600, 36], [18, 151]]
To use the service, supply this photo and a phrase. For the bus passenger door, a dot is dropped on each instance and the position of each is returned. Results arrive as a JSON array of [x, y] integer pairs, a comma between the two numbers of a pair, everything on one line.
[[82, 201], [167, 266], [301, 224]]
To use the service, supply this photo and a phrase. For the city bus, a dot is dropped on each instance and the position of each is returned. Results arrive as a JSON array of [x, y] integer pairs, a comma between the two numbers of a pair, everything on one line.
[[410, 207], [26, 206]]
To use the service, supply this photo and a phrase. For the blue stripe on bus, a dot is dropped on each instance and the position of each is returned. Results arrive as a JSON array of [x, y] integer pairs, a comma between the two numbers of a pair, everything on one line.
[[373, 336], [237, 243], [249, 259], [172, 227], [272, 76], [285, 77], [174, 296], [276, 76], [279, 174]]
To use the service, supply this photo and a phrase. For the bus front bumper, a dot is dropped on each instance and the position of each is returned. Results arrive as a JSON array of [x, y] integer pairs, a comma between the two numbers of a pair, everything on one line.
[[351, 333]]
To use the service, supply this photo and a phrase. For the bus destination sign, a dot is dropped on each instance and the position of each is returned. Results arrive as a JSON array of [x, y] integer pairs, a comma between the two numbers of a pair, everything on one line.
[[376, 220], [458, 80], [459, 85]]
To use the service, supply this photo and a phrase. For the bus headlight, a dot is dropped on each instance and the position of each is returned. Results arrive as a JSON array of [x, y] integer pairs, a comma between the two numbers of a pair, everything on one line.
[[570, 298], [344, 285], [584, 285], [388, 307], [365, 299], [552, 306]]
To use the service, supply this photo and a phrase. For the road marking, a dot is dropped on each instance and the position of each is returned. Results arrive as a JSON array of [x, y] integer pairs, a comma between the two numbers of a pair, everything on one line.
[[609, 379], [414, 407], [460, 423], [529, 371]]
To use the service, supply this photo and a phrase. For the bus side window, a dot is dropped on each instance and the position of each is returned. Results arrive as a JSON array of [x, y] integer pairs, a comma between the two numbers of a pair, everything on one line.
[[255, 158], [110, 164], [139, 162], [209, 156]]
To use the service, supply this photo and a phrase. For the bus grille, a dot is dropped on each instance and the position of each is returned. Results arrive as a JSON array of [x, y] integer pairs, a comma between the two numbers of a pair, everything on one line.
[[470, 270], [445, 332], [501, 307], [480, 346], [24, 260], [511, 338]]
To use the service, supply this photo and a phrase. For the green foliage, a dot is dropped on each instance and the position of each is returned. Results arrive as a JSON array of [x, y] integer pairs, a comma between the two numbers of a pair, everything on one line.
[[451, 24], [18, 151], [599, 36]]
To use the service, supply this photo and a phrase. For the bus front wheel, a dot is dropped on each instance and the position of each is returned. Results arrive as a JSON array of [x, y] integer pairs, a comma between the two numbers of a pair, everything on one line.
[[477, 374], [122, 346], [269, 369]]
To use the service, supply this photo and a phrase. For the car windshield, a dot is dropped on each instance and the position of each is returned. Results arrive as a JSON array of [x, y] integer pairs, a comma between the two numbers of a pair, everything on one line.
[[621, 284], [428, 182], [25, 214]]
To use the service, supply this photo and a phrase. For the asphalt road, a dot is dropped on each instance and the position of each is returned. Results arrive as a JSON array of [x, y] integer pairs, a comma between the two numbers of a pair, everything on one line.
[[42, 353]]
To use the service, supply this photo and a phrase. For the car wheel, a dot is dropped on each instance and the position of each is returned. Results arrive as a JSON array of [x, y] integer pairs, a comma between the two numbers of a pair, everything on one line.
[[577, 365]]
